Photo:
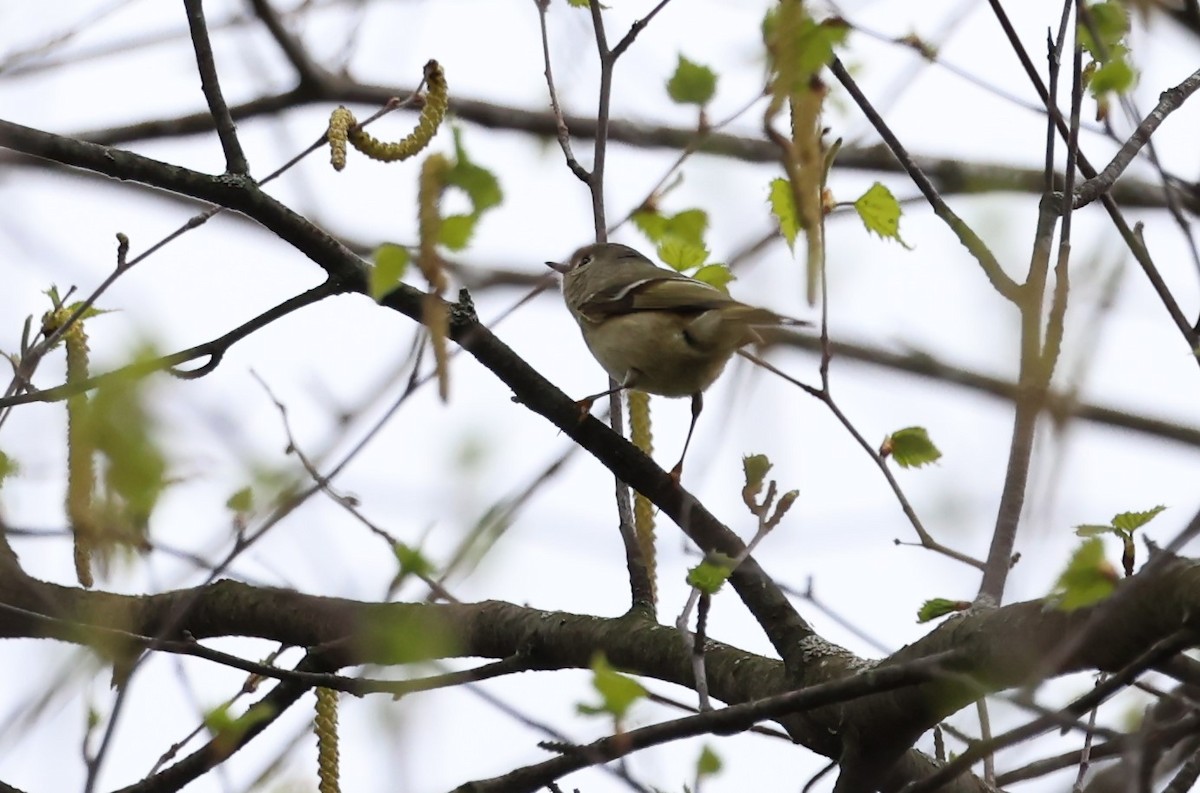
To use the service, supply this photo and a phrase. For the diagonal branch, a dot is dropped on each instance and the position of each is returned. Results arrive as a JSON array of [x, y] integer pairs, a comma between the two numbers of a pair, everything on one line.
[[1170, 100]]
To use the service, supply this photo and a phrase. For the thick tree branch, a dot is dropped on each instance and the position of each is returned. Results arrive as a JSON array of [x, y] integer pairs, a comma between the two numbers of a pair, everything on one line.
[[997, 648], [949, 176]]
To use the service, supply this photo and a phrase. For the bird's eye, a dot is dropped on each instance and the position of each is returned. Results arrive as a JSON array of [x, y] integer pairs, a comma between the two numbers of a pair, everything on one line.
[[584, 260]]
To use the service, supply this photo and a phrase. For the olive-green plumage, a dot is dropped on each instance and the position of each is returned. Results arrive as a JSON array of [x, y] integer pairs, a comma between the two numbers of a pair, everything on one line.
[[654, 329]]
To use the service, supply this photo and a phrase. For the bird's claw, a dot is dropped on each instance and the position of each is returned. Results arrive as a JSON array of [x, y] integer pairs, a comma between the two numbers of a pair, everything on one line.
[[585, 407]]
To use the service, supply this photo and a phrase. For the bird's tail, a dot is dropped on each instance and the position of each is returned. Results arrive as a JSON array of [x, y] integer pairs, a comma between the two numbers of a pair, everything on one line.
[[762, 318]]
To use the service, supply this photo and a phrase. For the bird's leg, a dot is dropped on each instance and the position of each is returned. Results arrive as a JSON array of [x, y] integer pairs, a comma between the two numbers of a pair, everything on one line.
[[697, 406], [585, 404]]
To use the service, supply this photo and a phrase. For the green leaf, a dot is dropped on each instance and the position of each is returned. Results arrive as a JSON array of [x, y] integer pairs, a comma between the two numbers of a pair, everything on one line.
[[689, 225], [1088, 579], [798, 45], [1116, 75], [1130, 521], [456, 231], [783, 207], [755, 467], [412, 561], [578, 3], [1122, 524], [227, 731], [911, 447], [391, 262], [717, 275], [1110, 70], [711, 574], [405, 636], [681, 254], [692, 84], [935, 608], [127, 436], [8, 467], [709, 762], [652, 224], [89, 312], [1111, 21], [880, 212], [480, 184], [617, 692], [242, 501]]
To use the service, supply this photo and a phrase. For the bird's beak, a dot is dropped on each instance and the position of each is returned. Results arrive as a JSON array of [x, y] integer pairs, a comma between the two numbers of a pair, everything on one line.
[[559, 268]]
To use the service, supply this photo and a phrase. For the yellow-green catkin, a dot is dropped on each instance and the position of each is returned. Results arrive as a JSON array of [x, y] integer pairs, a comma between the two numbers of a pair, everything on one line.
[[81, 465], [643, 510], [429, 224], [805, 100], [325, 725], [429, 220], [344, 127], [340, 122]]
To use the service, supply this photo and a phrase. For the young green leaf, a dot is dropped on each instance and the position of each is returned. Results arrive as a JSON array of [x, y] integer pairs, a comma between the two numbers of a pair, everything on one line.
[[1122, 523], [617, 692], [411, 560], [708, 763], [717, 275], [1088, 579], [456, 231], [880, 212], [481, 185], [935, 608], [391, 262], [689, 225], [227, 730], [681, 254], [8, 467], [755, 467], [910, 447], [692, 84], [711, 574], [783, 207], [798, 45], [127, 436], [1116, 75], [651, 223], [1130, 521], [1111, 21], [406, 637], [1104, 37], [242, 501]]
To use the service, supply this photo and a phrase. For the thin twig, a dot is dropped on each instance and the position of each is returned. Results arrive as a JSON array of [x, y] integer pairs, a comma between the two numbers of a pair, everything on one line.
[[725, 720], [1169, 101], [1155, 654], [563, 134], [927, 540], [1001, 282], [235, 158]]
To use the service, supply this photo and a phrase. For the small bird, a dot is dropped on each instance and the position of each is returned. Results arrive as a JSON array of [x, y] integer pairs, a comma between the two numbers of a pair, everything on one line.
[[656, 330]]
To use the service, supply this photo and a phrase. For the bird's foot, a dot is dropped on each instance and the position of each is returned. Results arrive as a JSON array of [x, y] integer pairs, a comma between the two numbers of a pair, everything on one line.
[[585, 407]]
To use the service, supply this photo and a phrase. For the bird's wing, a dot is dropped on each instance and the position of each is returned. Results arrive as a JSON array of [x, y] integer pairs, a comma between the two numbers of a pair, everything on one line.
[[667, 292]]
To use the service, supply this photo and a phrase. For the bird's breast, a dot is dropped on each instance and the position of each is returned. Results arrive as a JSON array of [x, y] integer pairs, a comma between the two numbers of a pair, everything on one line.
[[657, 352]]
